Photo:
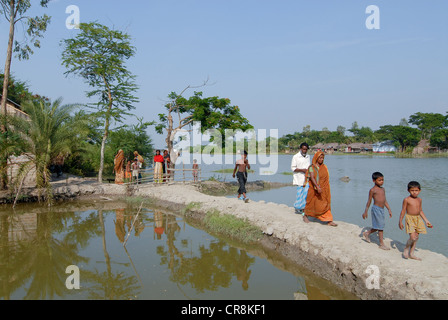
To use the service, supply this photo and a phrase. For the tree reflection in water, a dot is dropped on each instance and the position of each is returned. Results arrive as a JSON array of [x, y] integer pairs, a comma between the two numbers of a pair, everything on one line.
[[212, 268], [31, 255], [36, 248]]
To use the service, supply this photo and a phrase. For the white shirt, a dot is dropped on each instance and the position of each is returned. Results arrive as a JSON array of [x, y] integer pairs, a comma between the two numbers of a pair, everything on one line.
[[299, 162]]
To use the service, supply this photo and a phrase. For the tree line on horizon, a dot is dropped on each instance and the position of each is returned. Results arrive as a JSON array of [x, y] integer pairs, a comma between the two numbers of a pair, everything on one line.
[[405, 136]]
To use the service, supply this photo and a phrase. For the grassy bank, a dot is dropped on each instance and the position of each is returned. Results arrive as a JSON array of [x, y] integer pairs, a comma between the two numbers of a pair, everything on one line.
[[231, 227], [423, 155]]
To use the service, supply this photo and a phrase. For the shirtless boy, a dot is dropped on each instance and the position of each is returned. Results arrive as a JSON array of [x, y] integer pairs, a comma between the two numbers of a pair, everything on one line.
[[378, 194], [242, 165], [415, 219]]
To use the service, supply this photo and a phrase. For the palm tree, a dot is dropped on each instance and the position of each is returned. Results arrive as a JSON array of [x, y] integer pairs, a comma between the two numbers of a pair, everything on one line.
[[48, 134]]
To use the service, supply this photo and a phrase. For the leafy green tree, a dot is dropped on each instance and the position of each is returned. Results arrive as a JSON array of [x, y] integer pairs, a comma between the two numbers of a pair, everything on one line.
[[428, 123], [14, 11], [440, 139], [211, 112], [404, 136], [354, 129], [404, 122], [133, 138], [98, 55]]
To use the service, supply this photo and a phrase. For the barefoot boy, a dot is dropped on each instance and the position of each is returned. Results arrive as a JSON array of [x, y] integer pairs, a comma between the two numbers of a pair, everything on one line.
[[242, 165], [412, 207], [379, 202]]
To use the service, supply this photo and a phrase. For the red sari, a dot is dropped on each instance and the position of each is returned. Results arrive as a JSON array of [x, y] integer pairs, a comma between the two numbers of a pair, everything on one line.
[[319, 205]]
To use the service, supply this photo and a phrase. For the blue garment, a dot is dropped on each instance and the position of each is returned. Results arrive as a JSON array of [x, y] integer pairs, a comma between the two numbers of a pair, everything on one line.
[[302, 193], [378, 218]]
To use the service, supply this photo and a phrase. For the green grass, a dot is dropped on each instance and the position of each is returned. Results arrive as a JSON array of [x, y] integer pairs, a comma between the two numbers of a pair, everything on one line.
[[138, 200], [231, 227], [191, 206]]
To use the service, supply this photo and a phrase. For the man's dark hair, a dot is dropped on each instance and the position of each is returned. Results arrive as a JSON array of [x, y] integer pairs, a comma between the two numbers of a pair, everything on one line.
[[414, 184], [304, 144], [377, 175]]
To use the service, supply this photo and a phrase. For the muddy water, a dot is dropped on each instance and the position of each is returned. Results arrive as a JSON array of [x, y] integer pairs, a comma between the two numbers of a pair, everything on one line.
[[119, 251]]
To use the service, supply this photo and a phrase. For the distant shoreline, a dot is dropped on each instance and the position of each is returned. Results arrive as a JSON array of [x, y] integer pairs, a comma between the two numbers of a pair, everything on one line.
[[375, 154]]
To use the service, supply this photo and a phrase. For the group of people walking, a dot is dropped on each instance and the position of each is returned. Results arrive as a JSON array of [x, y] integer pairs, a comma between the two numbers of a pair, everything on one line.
[[313, 199]]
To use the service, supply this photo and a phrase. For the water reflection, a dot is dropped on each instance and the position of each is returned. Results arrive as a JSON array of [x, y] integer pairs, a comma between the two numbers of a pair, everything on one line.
[[31, 255], [123, 253]]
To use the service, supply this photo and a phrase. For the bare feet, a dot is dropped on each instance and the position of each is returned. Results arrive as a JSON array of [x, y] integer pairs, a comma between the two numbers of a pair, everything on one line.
[[384, 247], [331, 223], [366, 234], [414, 257], [406, 253], [305, 218]]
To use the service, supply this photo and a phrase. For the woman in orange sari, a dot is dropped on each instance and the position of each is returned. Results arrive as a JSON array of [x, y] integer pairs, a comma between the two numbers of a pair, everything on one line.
[[318, 201], [118, 167]]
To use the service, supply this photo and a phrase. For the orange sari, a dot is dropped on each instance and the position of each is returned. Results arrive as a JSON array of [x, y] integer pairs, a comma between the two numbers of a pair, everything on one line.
[[118, 167], [319, 205]]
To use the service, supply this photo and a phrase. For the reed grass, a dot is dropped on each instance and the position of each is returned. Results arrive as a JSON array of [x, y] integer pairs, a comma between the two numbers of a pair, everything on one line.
[[231, 227]]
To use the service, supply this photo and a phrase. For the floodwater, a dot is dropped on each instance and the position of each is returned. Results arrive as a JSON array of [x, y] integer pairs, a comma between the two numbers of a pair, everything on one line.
[[117, 251], [349, 198], [166, 257]]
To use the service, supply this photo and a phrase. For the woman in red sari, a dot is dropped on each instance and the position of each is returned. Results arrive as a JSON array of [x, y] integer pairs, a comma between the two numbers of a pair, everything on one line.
[[158, 169], [318, 201]]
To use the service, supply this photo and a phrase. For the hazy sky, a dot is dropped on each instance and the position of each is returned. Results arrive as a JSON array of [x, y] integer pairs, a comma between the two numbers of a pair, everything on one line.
[[286, 63]]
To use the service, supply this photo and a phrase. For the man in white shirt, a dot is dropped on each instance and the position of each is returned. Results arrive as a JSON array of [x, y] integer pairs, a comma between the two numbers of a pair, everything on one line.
[[299, 165]]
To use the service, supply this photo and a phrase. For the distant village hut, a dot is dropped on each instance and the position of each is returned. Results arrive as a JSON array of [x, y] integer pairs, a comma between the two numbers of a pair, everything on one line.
[[331, 147], [15, 163], [14, 109], [424, 147], [359, 147], [318, 147]]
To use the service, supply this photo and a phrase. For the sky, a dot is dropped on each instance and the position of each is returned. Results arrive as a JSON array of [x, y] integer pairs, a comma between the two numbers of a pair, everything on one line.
[[286, 64]]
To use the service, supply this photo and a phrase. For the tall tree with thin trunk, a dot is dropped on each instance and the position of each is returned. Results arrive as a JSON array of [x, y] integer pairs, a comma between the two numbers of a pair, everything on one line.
[[98, 55], [14, 11]]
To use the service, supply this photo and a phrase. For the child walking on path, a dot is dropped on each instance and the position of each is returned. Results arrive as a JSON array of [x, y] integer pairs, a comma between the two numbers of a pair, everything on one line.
[[242, 165], [415, 219], [195, 170], [378, 194]]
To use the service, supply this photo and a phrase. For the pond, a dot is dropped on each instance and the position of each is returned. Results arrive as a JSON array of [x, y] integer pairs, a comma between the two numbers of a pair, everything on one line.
[[122, 252]]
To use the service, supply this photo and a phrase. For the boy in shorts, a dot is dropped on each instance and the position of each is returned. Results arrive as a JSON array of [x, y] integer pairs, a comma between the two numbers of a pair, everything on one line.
[[415, 219], [378, 194], [242, 165]]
